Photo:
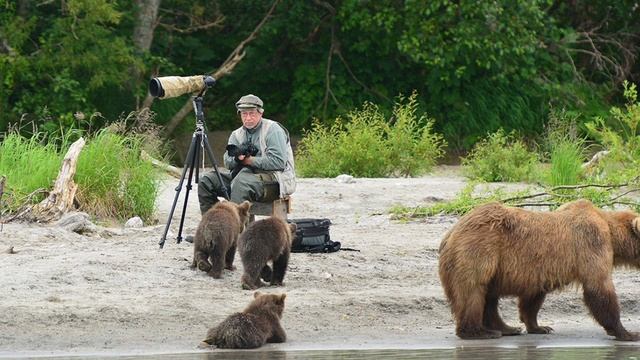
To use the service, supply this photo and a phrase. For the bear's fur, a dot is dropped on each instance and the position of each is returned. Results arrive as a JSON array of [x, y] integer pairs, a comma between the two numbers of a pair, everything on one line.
[[217, 235], [496, 251], [258, 324], [265, 240]]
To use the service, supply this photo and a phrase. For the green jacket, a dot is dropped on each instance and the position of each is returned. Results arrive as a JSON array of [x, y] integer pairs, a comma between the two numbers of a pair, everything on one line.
[[274, 152]]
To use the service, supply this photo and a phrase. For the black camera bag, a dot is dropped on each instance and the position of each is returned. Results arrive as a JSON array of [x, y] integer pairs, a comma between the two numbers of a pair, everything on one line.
[[312, 235]]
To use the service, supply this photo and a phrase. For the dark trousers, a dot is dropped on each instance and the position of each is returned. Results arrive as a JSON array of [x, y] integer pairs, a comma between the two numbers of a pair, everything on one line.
[[247, 185]]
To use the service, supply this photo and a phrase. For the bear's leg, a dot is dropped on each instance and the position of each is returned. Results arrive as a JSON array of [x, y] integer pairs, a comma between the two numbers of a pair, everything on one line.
[[529, 307], [277, 334], [217, 262], [231, 254], [280, 268], [266, 273], [469, 316], [602, 301], [251, 277], [491, 318], [201, 261]]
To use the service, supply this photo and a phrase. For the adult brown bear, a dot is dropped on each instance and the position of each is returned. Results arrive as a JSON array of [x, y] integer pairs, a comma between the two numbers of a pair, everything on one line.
[[496, 251]]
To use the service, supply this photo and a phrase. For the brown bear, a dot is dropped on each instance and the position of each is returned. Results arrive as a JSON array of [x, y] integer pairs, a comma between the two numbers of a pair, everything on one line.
[[258, 324], [496, 251], [217, 235], [265, 240]]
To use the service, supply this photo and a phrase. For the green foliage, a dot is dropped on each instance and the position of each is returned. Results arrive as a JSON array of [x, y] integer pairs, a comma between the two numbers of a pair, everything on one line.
[[460, 205], [355, 146], [29, 165], [113, 181], [415, 147], [566, 149], [500, 157], [621, 137], [365, 145], [604, 196]]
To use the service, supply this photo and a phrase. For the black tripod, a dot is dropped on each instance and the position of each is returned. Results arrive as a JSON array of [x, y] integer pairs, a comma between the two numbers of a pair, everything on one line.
[[199, 140]]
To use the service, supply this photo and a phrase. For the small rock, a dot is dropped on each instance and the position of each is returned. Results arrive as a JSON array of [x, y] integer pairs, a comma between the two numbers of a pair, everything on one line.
[[77, 222], [134, 222], [345, 179]]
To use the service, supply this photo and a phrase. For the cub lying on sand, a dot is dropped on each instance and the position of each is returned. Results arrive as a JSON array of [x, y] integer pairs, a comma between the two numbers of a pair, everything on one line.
[[496, 251], [258, 324], [217, 236]]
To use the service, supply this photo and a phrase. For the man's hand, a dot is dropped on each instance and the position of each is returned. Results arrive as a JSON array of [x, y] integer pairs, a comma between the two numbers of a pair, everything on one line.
[[245, 160]]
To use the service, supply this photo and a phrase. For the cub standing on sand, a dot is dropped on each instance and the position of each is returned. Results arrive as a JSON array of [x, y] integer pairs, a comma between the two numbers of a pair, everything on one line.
[[264, 240], [258, 324], [496, 251], [217, 236]]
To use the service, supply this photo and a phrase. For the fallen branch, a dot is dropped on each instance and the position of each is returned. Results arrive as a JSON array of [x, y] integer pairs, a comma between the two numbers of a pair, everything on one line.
[[170, 169]]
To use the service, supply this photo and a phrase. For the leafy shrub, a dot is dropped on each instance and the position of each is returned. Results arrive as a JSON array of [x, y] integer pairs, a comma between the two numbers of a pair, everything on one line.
[[566, 149], [500, 157], [415, 148], [365, 145], [621, 137]]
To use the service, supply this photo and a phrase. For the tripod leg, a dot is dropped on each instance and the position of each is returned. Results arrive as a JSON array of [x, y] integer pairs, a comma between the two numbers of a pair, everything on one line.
[[194, 164], [205, 139], [190, 154]]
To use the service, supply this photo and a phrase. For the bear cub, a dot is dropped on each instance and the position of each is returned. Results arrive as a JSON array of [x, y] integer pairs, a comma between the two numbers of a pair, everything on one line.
[[265, 240], [217, 235], [258, 324]]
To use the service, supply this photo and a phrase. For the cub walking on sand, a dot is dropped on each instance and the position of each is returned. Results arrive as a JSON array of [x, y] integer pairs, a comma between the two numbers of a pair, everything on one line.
[[262, 241], [217, 235], [496, 251], [258, 324]]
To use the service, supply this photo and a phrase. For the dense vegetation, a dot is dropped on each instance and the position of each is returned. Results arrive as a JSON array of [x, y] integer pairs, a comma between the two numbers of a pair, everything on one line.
[[477, 66]]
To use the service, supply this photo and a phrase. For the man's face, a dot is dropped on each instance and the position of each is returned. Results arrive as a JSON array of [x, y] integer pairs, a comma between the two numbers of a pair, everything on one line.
[[250, 117]]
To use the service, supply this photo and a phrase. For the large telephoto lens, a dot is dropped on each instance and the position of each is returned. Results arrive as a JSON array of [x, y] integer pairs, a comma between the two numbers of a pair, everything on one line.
[[155, 88]]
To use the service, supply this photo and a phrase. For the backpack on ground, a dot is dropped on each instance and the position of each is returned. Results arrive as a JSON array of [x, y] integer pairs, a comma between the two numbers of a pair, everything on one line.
[[312, 235]]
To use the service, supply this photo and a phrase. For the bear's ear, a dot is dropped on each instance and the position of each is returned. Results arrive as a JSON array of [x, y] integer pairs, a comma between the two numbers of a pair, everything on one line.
[[635, 225], [256, 294], [282, 298], [293, 228], [245, 206]]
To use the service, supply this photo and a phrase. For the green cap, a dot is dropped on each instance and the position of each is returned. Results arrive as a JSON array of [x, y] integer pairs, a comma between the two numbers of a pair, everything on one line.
[[249, 102]]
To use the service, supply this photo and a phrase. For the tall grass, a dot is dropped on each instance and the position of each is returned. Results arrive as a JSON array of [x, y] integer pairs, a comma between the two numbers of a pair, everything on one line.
[[113, 181], [29, 164], [566, 149]]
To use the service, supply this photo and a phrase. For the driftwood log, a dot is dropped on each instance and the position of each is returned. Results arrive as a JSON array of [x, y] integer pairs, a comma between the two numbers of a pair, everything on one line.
[[171, 170], [60, 199]]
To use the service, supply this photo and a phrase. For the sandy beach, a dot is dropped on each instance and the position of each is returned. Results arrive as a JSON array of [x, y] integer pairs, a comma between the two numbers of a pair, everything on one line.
[[114, 291]]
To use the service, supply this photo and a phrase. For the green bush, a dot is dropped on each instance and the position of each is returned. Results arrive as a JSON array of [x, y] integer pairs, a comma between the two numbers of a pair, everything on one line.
[[365, 145], [566, 149], [113, 181], [621, 138], [415, 148], [29, 164], [500, 157]]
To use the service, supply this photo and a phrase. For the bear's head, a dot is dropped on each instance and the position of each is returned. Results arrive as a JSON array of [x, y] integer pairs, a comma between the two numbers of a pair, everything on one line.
[[273, 303], [243, 212]]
